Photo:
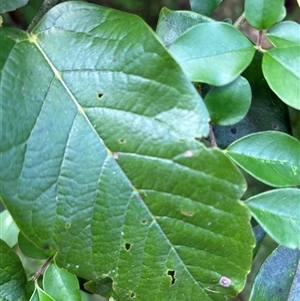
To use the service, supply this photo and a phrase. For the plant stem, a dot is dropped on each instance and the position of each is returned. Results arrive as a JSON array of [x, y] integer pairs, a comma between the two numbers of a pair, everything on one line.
[[259, 40], [41, 269], [46, 6], [212, 137], [240, 21]]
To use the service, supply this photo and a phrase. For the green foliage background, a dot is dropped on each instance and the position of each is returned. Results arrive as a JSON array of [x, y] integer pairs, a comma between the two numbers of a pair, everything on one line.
[[23, 17]]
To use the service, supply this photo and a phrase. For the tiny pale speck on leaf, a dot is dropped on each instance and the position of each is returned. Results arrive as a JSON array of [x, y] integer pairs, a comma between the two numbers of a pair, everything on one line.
[[115, 156], [225, 281], [188, 154]]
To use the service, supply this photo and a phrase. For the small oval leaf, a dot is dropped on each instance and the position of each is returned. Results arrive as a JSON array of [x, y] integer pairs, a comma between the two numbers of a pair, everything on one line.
[[278, 277], [271, 157], [11, 5], [267, 112], [61, 284], [281, 69], [205, 7], [284, 34], [276, 211], [171, 24], [229, 104], [263, 14], [199, 53], [40, 295]]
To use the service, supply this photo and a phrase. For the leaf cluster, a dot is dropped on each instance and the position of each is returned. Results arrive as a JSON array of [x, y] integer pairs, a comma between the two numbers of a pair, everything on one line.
[[125, 154]]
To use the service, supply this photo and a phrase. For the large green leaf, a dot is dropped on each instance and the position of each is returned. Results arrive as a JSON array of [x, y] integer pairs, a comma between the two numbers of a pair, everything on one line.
[[101, 165], [229, 104], [262, 14], [214, 53], [281, 70], [10, 5], [279, 277], [171, 24], [205, 7], [60, 284], [12, 275], [277, 212], [284, 34], [271, 157]]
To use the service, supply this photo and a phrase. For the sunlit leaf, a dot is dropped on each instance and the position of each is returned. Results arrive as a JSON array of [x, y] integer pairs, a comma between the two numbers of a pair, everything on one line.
[[271, 157], [214, 53], [281, 70], [8, 229], [276, 211]]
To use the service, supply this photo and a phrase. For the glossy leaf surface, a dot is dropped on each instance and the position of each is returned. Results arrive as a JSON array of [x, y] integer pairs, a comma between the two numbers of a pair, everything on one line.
[[8, 229], [60, 284], [199, 53], [276, 211], [205, 7], [284, 34], [281, 70], [40, 295], [279, 277], [271, 157], [171, 24], [12, 275], [229, 104], [10, 5], [103, 152], [262, 14]]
